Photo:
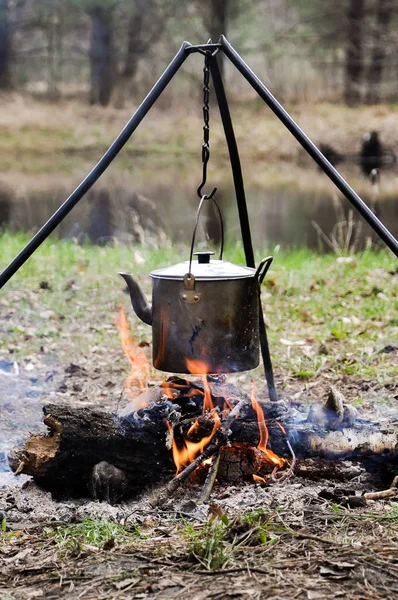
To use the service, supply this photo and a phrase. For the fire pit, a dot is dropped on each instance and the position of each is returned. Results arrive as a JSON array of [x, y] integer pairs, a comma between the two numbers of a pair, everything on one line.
[[198, 432]]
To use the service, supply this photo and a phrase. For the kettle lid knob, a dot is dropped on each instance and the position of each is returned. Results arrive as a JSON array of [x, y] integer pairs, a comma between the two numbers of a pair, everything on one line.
[[204, 257]]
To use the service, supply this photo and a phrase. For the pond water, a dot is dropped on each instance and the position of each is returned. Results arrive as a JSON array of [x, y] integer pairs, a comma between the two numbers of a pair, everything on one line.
[[299, 210]]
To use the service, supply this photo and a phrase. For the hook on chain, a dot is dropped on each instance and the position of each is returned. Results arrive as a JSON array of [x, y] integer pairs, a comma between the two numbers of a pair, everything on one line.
[[206, 128]]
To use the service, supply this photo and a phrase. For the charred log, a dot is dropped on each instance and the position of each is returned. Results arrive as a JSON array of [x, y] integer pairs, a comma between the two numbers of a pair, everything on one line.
[[79, 439]]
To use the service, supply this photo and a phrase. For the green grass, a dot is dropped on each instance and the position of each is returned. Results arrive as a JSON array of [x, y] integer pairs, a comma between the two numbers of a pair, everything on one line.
[[208, 544], [384, 517], [74, 538], [213, 544], [309, 299]]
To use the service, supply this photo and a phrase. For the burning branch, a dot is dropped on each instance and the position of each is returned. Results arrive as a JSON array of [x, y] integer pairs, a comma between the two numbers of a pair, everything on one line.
[[286, 474], [220, 439], [179, 479], [210, 479], [262, 445]]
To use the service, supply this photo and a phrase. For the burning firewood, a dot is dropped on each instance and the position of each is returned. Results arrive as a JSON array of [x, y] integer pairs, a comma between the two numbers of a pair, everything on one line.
[[210, 479], [108, 456], [334, 413]]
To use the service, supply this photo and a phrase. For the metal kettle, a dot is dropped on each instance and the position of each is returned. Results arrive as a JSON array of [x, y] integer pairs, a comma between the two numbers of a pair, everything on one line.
[[204, 314]]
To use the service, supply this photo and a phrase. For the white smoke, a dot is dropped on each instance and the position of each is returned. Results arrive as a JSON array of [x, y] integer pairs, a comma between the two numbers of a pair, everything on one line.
[[21, 392]]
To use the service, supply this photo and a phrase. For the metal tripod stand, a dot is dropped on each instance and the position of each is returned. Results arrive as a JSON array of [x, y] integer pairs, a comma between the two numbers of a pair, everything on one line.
[[211, 50]]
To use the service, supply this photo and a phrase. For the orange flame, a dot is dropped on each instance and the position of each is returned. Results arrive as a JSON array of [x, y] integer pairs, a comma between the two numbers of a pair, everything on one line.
[[136, 355], [281, 427], [228, 403], [258, 479], [185, 455], [194, 427], [199, 367], [168, 390], [190, 450], [169, 387], [207, 400], [262, 445]]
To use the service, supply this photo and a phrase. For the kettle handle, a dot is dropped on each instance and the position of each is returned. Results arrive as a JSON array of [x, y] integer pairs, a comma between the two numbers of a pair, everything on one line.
[[263, 268], [196, 226]]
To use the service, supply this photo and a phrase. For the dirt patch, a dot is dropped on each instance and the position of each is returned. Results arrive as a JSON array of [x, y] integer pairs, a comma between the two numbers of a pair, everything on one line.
[[280, 541]]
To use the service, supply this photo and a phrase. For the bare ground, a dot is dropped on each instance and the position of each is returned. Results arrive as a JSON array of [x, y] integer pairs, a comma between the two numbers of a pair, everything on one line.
[[309, 549]]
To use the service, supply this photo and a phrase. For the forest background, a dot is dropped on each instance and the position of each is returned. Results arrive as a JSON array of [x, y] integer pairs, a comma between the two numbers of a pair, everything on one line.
[[108, 50]]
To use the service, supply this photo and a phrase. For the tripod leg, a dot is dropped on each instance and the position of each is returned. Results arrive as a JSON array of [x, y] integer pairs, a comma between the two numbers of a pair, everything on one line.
[[235, 161], [267, 363], [242, 209], [99, 168], [309, 146]]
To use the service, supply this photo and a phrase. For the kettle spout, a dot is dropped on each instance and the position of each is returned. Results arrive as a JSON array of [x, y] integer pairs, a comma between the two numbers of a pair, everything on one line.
[[142, 308]]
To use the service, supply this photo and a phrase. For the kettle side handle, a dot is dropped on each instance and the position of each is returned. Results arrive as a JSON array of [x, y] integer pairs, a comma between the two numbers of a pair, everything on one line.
[[263, 268]]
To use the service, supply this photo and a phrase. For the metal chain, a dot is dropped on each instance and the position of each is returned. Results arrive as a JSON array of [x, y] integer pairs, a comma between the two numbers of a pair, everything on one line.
[[206, 128], [206, 111]]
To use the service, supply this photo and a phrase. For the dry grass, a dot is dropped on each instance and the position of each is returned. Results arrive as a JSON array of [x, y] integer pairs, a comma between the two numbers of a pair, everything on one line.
[[44, 134], [275, 553]]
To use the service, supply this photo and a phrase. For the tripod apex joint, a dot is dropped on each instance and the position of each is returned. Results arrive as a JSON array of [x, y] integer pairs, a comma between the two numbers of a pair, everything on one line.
[[203, 48]]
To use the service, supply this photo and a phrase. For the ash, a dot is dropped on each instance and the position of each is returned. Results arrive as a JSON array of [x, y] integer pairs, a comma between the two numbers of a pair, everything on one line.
[[28, 505]]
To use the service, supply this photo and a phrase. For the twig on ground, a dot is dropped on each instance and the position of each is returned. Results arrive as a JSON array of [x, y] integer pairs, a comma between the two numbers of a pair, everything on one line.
[[179, 479], [391, 493], [237, 570], [290, 471], [210, 479]]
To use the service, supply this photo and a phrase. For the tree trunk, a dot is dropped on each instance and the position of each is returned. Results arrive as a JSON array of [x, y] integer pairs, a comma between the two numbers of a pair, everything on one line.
[[216, 23], [375, 72], [53, 33], [144, 28], [101, 63], [133, 50], [5, 46], [354, 53]]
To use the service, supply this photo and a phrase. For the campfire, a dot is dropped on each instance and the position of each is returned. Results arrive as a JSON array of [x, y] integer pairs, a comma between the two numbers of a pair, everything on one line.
[[202, 431], [200, 443]]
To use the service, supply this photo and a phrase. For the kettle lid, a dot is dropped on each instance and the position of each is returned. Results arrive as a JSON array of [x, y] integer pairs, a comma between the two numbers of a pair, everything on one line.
[[205, 269]]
